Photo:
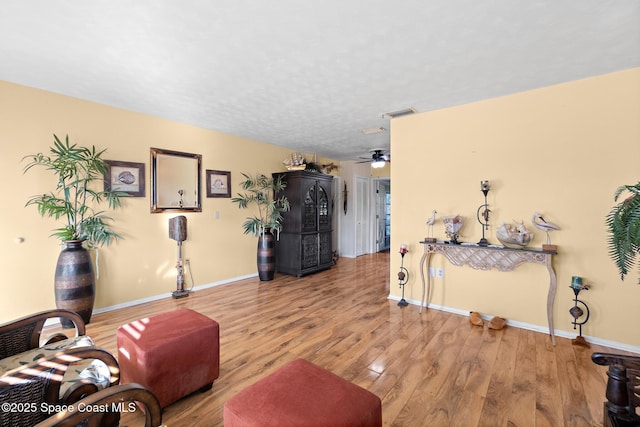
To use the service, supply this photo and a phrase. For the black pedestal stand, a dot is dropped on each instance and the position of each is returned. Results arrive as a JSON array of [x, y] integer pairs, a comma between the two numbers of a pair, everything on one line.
[[403, 278]]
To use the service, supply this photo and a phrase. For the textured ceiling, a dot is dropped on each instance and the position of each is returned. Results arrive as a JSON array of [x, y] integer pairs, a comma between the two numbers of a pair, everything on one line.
[[309, 75]]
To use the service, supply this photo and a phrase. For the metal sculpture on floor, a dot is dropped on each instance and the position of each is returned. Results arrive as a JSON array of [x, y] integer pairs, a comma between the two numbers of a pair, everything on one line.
[[577, 312], [403, 275]]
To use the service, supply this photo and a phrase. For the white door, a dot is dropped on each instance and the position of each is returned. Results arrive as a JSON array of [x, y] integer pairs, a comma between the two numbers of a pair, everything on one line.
[[362, 215]]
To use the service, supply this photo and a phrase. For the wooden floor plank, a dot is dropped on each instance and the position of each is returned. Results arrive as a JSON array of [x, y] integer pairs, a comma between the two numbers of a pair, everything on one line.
[[548, 398], [429, 368], [575, 409], [521, 405], [495, 409]]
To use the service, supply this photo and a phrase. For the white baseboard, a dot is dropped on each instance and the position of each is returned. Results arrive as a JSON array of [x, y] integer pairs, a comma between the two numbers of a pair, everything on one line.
[[168, 295], [530, 327]]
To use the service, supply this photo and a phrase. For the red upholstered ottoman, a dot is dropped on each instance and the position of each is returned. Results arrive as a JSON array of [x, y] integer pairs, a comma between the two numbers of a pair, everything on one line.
[[172, 354], [305, 395]]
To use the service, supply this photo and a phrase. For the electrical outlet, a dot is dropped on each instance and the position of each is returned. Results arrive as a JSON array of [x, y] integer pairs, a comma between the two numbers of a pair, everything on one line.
[[432, 271], [187, 261], [440, 273]]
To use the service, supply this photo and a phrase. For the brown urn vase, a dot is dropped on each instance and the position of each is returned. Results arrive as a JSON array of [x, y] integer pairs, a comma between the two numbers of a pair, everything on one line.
[[75, 284], [266, 256]]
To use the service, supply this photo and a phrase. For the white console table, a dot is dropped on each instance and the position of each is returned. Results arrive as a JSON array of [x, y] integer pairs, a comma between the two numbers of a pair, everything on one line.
[[486, 258]]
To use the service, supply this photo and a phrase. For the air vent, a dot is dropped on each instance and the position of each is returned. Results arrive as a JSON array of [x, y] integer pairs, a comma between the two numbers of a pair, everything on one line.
[[399, 113], [373, 130]]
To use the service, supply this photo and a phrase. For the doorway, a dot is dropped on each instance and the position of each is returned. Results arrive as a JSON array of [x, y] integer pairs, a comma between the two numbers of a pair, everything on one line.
[[382, 188]]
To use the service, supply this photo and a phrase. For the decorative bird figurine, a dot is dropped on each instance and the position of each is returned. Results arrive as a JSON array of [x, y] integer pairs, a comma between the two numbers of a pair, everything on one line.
[[540, 223], [430, 223]]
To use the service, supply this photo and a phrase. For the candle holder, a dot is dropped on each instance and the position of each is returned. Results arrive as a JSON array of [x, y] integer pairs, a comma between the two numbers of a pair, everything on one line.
[[577, 312], [483, 212], [403, 275]]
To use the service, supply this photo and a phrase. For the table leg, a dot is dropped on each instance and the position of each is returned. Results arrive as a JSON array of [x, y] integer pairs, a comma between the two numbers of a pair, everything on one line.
[[551, 297], [426, 257]]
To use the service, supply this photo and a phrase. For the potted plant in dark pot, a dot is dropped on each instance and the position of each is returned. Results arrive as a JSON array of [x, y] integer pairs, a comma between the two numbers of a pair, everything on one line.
[[259, 191], [78, 171], [623, 224]]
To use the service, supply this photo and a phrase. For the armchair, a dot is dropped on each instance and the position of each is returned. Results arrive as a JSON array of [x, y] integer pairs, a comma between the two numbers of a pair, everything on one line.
[[32, 391], [623, 389], [43, 363], [25, 333], [118, 397]]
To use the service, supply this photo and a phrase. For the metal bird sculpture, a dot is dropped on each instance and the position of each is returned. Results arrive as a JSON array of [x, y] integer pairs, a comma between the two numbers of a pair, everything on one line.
[[430, 223], [540, 223]]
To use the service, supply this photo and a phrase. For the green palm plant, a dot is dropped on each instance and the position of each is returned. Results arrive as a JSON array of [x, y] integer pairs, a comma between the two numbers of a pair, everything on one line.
[[259, 191], [77, 170], [623, 223]]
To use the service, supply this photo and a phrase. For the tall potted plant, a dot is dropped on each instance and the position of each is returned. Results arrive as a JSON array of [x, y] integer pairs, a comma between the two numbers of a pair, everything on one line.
[[78, 171], [259, 193], [623, 223]]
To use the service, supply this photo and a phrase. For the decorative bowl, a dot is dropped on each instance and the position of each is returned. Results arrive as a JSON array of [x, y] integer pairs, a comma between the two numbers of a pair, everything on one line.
[[514, 236]]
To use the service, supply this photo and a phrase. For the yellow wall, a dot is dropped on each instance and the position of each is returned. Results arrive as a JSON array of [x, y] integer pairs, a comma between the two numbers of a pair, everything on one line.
[[560, 150], [143, 264]]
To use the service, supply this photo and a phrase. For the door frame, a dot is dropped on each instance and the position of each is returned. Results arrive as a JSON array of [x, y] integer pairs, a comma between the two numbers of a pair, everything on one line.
[[362, 213], [376, 184]]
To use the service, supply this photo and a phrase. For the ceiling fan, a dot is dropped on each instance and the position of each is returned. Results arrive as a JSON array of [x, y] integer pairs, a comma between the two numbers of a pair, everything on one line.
[[378, 158]]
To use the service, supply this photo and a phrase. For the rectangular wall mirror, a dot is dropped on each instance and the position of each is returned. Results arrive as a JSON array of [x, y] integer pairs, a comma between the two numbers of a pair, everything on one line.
[[175, 181]]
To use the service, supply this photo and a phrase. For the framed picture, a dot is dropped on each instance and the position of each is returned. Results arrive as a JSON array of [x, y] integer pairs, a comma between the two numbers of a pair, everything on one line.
[[218, 183], [127, 177]]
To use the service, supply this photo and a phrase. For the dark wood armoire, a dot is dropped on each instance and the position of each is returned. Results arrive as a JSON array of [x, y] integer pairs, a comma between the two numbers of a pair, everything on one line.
[[305, 243]]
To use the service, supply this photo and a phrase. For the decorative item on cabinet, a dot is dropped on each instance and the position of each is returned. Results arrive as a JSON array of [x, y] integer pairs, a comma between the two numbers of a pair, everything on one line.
[[430, 223], [295, 162], [305, 244], [452, 225], [514, 236], [540, 223], [483, 212]]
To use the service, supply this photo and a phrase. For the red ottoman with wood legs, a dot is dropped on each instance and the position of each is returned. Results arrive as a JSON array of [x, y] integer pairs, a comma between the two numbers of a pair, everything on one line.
[[172, 354], [301, 394]]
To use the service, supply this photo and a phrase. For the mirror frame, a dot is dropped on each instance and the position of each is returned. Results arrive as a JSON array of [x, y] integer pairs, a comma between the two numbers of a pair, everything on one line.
[[154, 181]]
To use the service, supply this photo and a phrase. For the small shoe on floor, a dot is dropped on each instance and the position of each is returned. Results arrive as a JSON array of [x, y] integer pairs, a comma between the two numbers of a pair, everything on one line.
[[497, 323], [475, 319]]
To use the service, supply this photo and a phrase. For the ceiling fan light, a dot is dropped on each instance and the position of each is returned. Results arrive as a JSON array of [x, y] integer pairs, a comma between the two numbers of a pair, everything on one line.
[[379, 163]]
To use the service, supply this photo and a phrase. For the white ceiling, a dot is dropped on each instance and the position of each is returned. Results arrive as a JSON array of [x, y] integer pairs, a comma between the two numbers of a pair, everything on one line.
[[309, 75]]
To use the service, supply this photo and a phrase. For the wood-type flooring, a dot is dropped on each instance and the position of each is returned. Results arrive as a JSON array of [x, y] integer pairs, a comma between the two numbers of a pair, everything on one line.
[[429, 369]]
